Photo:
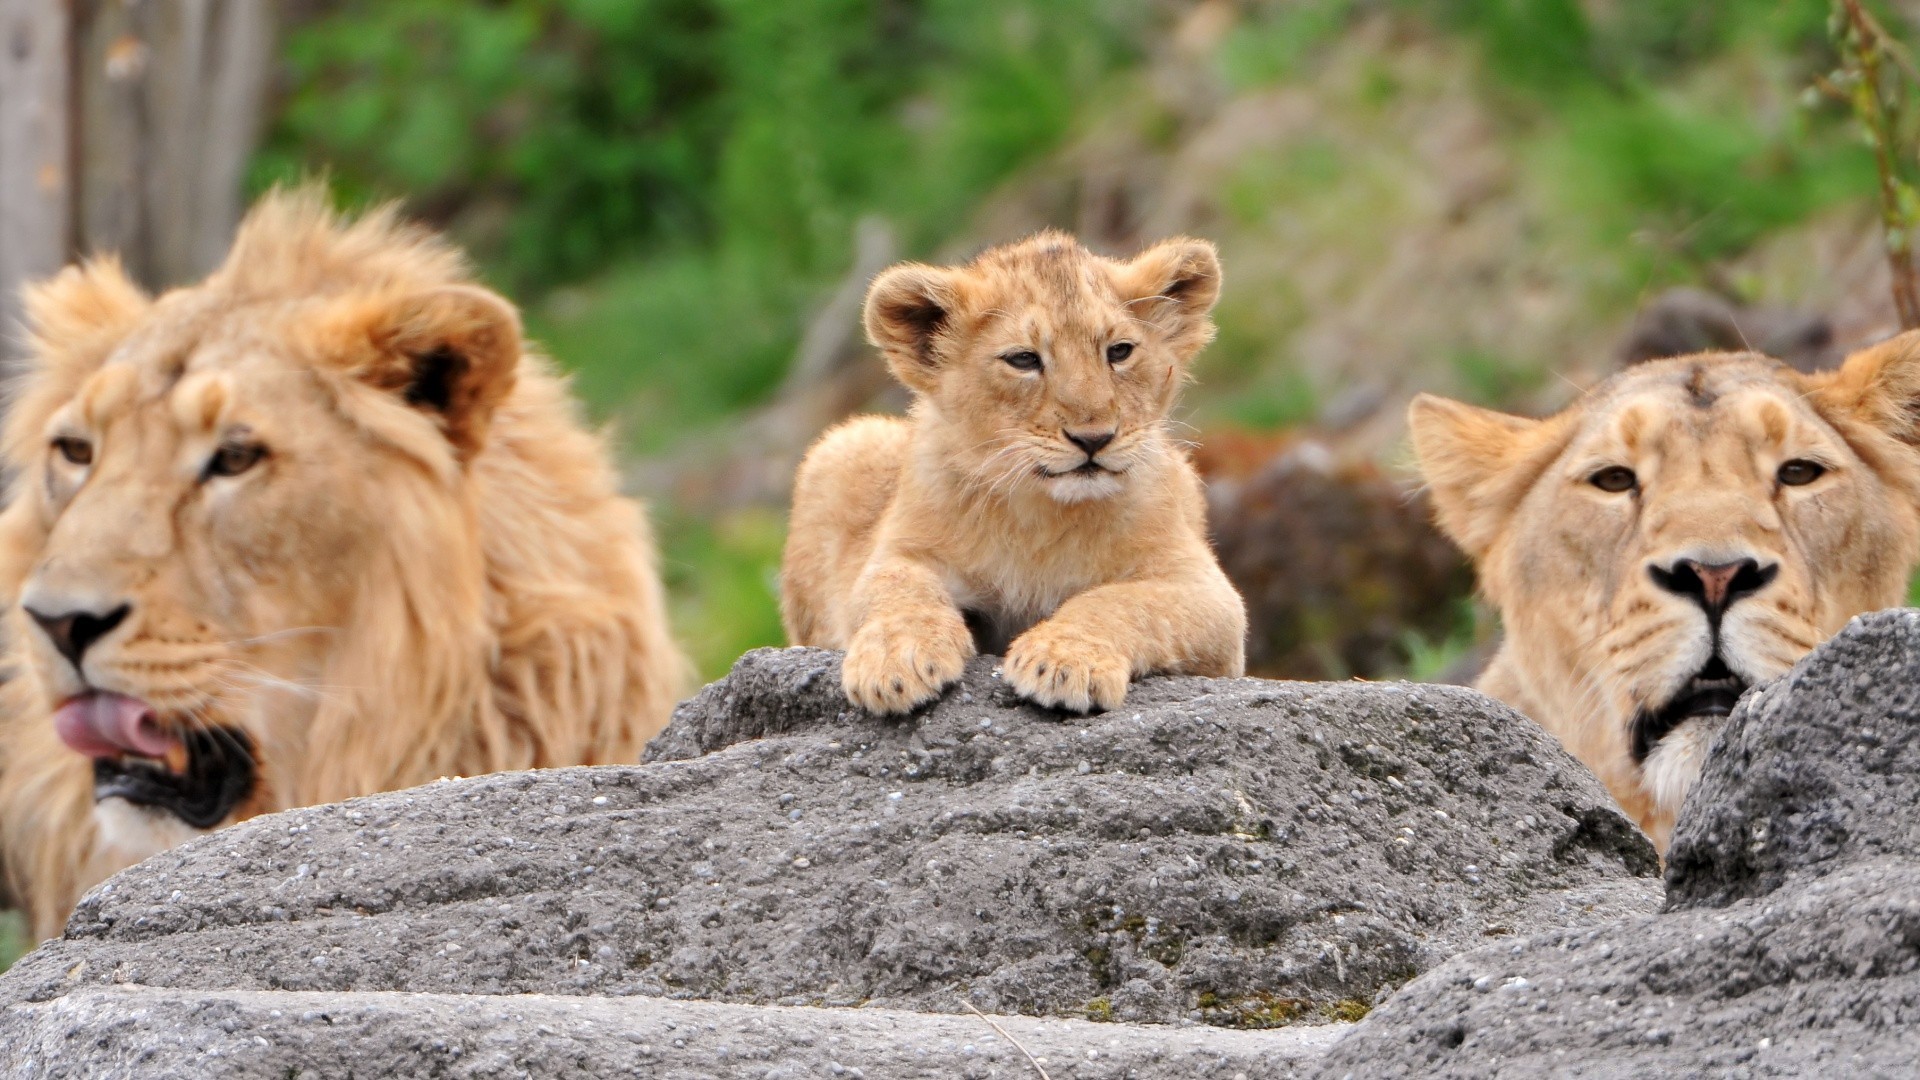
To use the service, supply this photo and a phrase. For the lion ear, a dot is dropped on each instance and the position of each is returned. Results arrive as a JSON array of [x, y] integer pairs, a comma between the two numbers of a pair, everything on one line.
[[1879, 385], [78, 315], [1479, 464], [1175, 283], [453, 352], [909, 309]]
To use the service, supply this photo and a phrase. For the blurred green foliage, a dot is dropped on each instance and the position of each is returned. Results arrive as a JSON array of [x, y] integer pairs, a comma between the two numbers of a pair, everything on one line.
[[13, 938], [561, 135], [671, 186]]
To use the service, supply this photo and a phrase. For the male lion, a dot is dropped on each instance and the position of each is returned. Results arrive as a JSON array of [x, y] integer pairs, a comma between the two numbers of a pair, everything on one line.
[[316, 527], [1034, 503], [1689, 528]]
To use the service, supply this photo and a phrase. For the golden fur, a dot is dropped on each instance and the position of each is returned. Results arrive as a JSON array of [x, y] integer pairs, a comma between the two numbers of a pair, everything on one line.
[[1594, 641], [913, 542], [430, 572]]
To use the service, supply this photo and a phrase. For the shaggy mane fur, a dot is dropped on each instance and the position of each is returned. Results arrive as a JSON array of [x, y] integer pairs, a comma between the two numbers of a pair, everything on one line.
[[507, 616]]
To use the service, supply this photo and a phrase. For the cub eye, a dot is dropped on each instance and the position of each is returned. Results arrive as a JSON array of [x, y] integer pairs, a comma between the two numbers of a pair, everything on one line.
[[1119, 351], [1800, 471], [1614, 478], [235, 458], [1024, 360], [76, 451]]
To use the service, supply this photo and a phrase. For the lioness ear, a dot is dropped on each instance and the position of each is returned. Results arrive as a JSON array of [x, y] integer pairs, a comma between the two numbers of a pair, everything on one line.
[[1879, 385], [452, 352], [909, 309], [1478, 464], [1175, 283], [77, 316]]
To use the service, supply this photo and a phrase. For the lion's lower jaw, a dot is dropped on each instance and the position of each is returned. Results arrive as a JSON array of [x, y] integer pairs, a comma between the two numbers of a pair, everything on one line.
[[129, 833], [1072, 489]]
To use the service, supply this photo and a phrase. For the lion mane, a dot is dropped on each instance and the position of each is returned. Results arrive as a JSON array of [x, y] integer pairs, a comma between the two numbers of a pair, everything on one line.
[[430, 572]]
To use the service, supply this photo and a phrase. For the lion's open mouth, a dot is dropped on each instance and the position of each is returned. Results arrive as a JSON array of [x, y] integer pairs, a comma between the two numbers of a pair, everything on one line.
[[198, 776], [1085, 468], [1711, 693]]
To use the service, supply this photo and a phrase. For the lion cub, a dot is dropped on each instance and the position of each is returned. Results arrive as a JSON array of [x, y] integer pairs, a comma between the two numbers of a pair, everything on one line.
[[1033, 502]]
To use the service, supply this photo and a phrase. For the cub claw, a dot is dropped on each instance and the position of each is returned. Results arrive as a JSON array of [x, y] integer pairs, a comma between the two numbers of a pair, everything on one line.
[[1067, 669], [892, 670]]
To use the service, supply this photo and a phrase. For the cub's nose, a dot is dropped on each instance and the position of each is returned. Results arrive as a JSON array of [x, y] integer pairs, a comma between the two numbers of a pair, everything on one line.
[[74, 632], [1714, 586], [1091, 441]]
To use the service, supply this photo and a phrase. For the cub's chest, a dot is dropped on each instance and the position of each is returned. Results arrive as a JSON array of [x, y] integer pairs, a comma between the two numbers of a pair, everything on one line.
[[1003, 601]]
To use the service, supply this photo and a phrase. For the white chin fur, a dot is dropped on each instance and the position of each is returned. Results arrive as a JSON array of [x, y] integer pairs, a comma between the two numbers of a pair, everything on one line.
[[1073, 489], [1675, 762], [136, 832]]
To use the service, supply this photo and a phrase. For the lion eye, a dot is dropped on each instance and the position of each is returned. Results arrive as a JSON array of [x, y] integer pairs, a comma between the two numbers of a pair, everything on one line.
[[1800, 471], [1024, 360], [235, 458], [76, 451], [1614, 478], [1119, 351]]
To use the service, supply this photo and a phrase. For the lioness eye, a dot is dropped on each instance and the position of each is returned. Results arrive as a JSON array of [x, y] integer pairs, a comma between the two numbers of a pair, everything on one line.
[[235, 458], [1119, 351], [1615, 478], [1024, 360], [1800, 471], [77, 451]]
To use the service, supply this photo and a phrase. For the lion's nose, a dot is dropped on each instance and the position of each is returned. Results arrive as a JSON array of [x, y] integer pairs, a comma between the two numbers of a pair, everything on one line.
[[1714, 586], [1091, 441], [74, 632]]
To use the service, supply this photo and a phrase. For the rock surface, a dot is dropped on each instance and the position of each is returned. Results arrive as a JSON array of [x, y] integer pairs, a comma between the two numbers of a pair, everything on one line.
[[1234, 852], [1790, 944], [241, 1033]]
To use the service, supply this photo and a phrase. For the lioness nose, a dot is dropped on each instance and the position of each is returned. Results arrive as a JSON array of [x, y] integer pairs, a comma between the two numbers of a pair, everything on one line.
[[1714, 586], [74, 632], [1091, 441]]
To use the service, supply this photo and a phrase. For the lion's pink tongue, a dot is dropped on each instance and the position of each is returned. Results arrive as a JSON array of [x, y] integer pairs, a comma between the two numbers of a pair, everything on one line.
[[108, 725]]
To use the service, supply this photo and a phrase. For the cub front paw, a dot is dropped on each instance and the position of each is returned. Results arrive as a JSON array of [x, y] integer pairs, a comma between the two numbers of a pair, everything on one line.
[[891, 668], [1063, 668]]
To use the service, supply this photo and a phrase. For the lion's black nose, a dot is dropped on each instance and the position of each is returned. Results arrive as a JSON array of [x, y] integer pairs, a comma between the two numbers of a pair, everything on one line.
[[1714, 586], [74, 632], [1091, 441]]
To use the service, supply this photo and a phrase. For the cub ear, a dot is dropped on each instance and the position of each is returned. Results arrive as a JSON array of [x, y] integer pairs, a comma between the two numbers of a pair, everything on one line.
[[909, 310], [1878, 386], [77, 316], [1175, 283], [1479, 464], [452, 352]]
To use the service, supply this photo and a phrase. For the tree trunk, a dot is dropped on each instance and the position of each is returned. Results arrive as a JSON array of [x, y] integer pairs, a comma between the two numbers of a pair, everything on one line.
[[35, 172], [126, 126]]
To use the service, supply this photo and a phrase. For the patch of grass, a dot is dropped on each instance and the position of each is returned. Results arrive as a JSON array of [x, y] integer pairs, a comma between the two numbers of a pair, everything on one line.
[[1348, 1010], [1253, 1012], [13, 938]]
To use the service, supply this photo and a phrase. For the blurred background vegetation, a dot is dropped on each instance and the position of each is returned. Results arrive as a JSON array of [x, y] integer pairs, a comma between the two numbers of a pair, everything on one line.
[[1494, 199], [1472, 196]]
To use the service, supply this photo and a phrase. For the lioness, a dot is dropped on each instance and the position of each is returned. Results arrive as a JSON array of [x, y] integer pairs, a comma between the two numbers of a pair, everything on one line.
[[1034, 504], [316, 527], [1689, 528]]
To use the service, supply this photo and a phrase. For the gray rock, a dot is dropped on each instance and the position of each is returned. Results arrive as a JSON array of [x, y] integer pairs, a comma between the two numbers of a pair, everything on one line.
[[141, 1031], [1790, 944], [1237, 852]]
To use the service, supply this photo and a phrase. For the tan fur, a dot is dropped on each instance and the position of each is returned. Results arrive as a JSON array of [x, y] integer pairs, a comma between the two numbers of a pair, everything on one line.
[[1590, 637], [397, 592], [902, 530]]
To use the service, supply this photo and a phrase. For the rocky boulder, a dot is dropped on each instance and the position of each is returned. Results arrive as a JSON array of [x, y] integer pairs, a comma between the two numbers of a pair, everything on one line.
[[1224, 853], [1790, 941]]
